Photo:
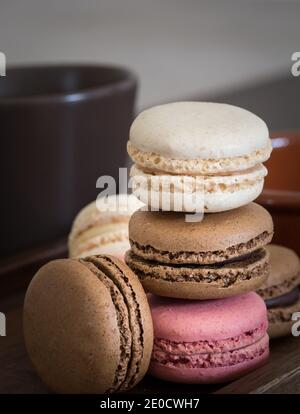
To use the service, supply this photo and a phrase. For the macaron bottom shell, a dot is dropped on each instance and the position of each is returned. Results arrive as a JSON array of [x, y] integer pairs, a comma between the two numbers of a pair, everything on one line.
[[214, 375], [202, 282], [195, 290]]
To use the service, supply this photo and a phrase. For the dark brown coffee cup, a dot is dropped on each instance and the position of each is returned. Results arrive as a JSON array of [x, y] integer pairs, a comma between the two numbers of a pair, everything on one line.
[[61, 128]]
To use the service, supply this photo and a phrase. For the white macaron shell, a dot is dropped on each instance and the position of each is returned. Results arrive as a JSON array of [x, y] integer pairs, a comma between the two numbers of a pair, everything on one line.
[[190, 130]]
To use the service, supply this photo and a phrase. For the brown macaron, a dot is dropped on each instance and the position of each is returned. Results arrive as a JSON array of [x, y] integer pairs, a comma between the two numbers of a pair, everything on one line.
[[88, 326], [281, 290], [220, 256]]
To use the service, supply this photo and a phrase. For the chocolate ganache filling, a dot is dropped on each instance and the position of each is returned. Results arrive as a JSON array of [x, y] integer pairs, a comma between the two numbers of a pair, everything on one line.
[[287, 299]]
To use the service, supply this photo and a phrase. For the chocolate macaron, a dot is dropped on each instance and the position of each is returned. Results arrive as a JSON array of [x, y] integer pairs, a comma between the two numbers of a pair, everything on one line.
[[88, 326], [281, 290], [220, 256]]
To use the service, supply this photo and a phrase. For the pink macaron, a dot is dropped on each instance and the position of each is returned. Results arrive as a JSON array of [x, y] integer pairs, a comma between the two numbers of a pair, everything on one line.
[[212, 341]]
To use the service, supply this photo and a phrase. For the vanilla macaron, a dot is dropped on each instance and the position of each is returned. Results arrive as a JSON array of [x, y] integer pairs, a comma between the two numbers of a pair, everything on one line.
[[198, 156], [102, 227]]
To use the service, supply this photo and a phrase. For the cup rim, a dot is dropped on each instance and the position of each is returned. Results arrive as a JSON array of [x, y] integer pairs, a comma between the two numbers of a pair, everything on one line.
[[128, 79]]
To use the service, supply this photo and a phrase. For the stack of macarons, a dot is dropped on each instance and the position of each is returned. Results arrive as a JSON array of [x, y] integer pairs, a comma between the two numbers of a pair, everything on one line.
[[88, 326], [201, 269]]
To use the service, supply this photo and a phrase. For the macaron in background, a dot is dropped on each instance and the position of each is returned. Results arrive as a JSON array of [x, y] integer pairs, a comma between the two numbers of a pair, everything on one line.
[[221, 256], [281, 290], [88, 326], [101, 227], [202, 342], [221, 145]]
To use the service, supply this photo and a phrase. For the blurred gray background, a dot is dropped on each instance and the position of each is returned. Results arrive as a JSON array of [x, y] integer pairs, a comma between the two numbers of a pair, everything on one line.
[[178, 48]]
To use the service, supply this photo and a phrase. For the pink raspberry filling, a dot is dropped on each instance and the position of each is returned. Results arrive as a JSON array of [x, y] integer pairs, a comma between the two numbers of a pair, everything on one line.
[[210, 354], [199, 347]]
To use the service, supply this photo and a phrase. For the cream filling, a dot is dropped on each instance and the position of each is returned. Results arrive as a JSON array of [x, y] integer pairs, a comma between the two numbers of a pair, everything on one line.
[[117, 249], [102, 230], [98, 237], [185, 183], [154, 161]]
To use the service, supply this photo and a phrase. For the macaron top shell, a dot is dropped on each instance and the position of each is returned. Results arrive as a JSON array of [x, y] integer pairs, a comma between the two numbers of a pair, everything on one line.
[[284, 272], [79, 328], [168, 232], [190, 130], [210, 320]]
